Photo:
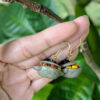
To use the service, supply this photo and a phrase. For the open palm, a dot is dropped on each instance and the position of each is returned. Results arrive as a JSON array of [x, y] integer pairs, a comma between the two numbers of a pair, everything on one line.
[[18, 79]]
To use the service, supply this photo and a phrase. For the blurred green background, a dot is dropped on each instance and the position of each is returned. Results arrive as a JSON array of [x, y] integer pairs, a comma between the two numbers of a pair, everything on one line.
[[16, 22]]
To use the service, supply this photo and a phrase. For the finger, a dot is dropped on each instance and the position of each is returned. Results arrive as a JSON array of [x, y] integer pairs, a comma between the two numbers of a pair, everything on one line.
[[0, 77], [38, 84], [2, 66], [32, 74], [33, 45], [83, 24], [35, 60], [3, 94]]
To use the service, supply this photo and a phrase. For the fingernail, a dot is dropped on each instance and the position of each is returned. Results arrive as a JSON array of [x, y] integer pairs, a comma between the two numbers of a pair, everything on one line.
[[81, 17]]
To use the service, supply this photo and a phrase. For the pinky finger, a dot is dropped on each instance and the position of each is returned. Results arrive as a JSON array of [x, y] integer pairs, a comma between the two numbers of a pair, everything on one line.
[[38, 84]]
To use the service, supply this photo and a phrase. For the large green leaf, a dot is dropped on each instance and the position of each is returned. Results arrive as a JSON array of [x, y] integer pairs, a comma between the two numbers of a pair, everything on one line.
[[62, 8], [93, 10], [13, 22], [72, 89], [43, 93], [39, 21], [96, 92]]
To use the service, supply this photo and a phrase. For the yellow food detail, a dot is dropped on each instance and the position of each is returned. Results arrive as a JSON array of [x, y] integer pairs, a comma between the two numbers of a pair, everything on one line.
[[68, 66], [75, 66], [59, 68]]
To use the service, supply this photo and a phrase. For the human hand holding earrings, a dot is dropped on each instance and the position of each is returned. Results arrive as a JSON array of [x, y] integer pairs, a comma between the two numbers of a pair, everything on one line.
[[49, 68]]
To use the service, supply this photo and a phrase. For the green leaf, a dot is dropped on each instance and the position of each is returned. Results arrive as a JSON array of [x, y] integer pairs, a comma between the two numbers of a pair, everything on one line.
[[39, 21], [96, 92], [72, 89], [43, 93], [79, 11], [13, 22], [83, 2], [62, 8], [93, 10]]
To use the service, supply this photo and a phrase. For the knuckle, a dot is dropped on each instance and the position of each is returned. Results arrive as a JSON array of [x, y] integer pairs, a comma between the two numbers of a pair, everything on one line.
[[25, 51]]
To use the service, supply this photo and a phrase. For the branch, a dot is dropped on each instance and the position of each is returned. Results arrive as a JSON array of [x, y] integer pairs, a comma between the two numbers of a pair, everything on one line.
[[38, 8], [44, 10], [41, 9], [86, 52]]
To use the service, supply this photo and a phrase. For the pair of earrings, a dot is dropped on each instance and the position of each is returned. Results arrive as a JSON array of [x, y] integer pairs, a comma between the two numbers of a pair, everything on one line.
[[49, 68]]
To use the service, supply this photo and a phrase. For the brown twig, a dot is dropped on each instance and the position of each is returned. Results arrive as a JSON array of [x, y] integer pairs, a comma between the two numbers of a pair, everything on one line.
[[44, 10], [86, 52], [38, 8], [41, 9]]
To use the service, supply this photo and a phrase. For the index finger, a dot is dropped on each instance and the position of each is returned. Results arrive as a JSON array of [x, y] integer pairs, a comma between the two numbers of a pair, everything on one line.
[[30, 46]]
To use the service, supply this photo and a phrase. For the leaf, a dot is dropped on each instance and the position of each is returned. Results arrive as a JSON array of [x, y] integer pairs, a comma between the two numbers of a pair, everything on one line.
[[43, 93], [72, 89], [93, 10], [13, 22], [39, 21], [62, 8], [96, 92]]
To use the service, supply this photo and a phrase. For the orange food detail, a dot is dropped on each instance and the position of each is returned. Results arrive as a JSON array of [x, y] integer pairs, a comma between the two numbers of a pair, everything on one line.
[[41, 64], [44, 63], [52, 65], [68, 66]]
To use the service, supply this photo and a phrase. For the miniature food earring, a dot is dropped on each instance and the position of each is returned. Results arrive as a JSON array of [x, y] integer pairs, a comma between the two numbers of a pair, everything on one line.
[[70, 69], [48, 68]]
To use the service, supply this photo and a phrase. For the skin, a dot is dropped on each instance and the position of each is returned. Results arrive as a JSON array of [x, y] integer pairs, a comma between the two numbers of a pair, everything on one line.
[[18, 79]]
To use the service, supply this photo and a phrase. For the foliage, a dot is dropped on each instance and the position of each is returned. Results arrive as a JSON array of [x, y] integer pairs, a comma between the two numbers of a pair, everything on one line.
[[16, 22]]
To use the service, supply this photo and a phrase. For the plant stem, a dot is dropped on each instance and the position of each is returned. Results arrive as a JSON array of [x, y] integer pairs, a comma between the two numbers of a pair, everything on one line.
[[86, 53]]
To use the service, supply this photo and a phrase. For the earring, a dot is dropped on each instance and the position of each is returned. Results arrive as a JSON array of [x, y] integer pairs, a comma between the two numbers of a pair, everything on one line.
[[48, 68], [70, 69]]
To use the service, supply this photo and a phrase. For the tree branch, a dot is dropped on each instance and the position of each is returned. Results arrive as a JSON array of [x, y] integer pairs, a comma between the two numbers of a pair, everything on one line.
[[44, 10], [38, 8], [86, 52], [41, 9]]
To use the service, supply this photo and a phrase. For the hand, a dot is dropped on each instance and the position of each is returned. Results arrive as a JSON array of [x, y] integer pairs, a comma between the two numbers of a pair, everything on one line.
[[18, 80]]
